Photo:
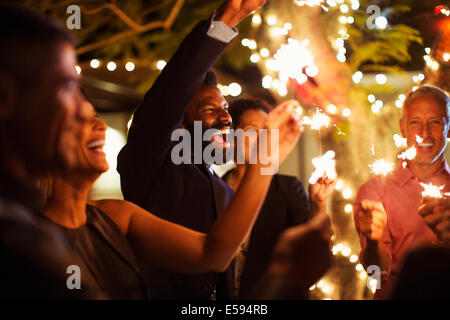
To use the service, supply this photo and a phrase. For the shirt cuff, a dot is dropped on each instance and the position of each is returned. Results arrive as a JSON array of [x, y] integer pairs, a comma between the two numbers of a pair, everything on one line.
[[220, 31]]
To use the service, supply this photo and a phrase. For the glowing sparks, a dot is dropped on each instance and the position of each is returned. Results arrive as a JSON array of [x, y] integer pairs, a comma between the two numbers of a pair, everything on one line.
[[399, 141], [381, 167], [311, 3], [409, 154], [292, 58], [319, 120], [324, 165], [431, 191], [419, 139]]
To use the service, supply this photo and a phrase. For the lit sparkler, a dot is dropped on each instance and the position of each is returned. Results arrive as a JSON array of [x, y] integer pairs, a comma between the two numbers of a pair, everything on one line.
[[311, 3], [324, 165], [409, 154], [419, 139], [291, 59], [432, 191], [319, 120], [381, 167]]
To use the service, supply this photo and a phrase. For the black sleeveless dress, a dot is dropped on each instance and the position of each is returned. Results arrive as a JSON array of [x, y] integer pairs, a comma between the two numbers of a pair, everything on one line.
[[107, 256]]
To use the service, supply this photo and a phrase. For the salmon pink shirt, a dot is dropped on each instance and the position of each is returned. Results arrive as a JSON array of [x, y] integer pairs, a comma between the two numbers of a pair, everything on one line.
[[400, 193]]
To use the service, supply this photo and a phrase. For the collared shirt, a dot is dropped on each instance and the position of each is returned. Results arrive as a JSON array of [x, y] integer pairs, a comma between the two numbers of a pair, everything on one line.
[[401, 194]]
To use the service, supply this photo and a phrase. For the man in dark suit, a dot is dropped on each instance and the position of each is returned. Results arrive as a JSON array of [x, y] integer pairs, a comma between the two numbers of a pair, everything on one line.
[[188, 194]]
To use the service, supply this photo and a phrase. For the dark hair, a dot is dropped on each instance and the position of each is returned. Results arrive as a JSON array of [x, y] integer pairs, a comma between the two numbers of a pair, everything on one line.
[[239, 106], [28, 40], [430, 91], [210, 79]]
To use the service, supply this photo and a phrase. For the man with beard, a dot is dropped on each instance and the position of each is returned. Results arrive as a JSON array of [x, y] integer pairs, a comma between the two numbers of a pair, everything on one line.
[[187, 194]]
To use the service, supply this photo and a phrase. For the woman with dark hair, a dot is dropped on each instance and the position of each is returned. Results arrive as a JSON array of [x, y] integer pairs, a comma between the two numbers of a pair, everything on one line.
[[286, 203]]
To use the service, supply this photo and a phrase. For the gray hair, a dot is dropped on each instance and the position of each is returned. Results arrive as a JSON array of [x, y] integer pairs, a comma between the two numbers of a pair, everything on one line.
[[428, 90]]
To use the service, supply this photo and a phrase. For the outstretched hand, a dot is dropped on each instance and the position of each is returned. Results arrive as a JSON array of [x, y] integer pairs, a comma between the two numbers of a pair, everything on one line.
[[232, 12]]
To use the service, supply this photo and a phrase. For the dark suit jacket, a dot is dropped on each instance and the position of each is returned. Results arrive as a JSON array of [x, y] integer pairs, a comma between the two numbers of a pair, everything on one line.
[[286, 205], [186, 194]]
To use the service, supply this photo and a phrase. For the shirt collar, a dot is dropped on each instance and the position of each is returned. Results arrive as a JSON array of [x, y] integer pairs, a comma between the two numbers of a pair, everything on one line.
[[403, 175]]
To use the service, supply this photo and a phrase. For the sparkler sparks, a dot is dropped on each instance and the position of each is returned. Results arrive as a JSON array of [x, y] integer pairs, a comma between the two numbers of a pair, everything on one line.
[[291, 59], [419, 139], [381, 167], [409, 154], [311, 3], [432, 191], [319, 120], [324, 165]]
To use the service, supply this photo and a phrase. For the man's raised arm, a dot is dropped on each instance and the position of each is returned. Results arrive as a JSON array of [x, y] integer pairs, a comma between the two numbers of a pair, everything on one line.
[[167, 100]]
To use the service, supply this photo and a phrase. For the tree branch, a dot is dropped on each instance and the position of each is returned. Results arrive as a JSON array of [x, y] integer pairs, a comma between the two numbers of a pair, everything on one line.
[[173, 14], [122, 15], [119, 36], [136, 28], [153, 9]]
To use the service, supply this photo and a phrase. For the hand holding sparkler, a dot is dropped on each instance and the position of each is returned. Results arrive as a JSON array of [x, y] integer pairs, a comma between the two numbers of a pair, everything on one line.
[[436, 214], [322, 181], [372, 219], [319, 193]]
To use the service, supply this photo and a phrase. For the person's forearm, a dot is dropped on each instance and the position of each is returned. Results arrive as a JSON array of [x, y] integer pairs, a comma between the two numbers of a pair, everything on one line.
[[234, 223], [317, 207], [168, 99], [375, 254]]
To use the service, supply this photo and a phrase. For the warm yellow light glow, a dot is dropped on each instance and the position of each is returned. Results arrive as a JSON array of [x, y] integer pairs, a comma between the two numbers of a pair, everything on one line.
[[348, 208], [111, 66], [129, 66], [95, 63], [160, 64], [347, 193]]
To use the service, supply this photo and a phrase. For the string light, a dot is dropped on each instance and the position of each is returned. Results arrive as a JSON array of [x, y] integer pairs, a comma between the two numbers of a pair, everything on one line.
[[111, 66], [161, 64], [78, 69], [235, 89], [381, 22], [271, 20], [348, 208], [254, 58], [357, 76], [129, 66], [256, 19], [346, 112], [95, 63], [331, 108], [347, 193], [380, 78]]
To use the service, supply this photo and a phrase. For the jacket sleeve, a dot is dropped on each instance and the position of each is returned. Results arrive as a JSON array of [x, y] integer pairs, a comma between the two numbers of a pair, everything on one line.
[[298, 202], [162, 110]]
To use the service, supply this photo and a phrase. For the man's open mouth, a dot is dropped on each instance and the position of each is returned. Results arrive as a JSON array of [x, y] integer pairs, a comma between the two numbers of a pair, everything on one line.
[[220, 138]]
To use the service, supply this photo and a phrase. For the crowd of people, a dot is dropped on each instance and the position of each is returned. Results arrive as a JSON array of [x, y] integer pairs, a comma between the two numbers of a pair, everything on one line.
[[182, 231]]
